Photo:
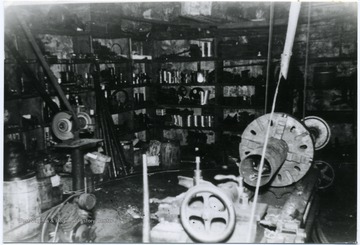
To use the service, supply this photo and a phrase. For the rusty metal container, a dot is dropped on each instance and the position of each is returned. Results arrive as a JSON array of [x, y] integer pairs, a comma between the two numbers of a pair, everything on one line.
[[21, 209], [49, 195]]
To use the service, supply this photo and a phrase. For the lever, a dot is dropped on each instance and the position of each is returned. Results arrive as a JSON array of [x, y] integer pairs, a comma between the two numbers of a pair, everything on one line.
[[222, 177]]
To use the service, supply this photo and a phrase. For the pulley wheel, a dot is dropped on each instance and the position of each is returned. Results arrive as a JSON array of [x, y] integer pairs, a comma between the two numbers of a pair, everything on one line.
[[182, 91], [84, 120], [319, 129], [195, 94], [207, 214], [81, 234], [327, 174], [62, 125], [121, 96]]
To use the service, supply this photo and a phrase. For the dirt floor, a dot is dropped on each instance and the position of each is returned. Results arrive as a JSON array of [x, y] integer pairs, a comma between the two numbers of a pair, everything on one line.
[[118, 212], [119, 208]]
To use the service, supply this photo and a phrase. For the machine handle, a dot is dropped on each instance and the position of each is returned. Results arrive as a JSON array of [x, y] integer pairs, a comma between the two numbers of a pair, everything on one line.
[[222, 177]]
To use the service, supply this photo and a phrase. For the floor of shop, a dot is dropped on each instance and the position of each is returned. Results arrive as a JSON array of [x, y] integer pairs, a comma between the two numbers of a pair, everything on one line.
[[119, 208], [118, 212]]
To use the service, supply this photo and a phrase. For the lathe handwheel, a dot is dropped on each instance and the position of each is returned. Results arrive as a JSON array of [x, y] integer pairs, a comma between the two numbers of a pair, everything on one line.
[[208, 214], [327, 174]]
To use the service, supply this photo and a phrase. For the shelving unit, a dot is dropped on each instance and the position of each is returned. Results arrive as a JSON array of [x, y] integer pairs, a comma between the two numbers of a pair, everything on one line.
[[215, 106], [79, 64], [210, 53]]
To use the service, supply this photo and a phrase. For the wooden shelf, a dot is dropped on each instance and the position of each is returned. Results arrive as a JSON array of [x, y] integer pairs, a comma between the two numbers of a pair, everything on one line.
[[23, 130], [27, 61], [135, 130], [184, 59], [133, 108], [35, 95], [21, 97], [238, 84], [128, 85], [246, 58], [188, 84], [185, 127], [94, 34], [87, 61], [145, 60], [245, 107], [187, 106]]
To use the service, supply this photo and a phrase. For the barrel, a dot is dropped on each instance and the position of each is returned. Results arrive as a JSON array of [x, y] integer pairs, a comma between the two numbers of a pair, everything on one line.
[[49, 195], [21, 209], [170, 154]]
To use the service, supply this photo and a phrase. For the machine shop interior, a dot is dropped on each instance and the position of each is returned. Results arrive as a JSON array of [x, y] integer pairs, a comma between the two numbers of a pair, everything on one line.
[[180, 122]]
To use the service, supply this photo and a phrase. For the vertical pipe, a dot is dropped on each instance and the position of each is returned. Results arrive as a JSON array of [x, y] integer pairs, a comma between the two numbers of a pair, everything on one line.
[[78, 171], [268, 64], [285, 59], [306, 61], [146, 219]]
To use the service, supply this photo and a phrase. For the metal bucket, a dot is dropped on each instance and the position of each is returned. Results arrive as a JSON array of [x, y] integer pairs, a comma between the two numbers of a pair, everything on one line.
[[49, 195], [21, 209]]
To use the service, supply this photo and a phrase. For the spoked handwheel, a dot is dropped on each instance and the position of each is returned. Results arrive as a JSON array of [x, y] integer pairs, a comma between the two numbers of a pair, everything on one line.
[[207, 214], [327, 174]]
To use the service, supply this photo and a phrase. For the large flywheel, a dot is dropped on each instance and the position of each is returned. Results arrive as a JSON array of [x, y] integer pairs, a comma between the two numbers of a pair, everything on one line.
[[288, 156]]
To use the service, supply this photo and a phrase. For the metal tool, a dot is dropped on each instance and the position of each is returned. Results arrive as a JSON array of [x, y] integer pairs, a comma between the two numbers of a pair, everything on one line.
[[84, 120], [62, 126]]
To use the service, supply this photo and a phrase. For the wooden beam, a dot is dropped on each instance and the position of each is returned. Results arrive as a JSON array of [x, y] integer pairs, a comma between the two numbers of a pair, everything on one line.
[[151, 21]]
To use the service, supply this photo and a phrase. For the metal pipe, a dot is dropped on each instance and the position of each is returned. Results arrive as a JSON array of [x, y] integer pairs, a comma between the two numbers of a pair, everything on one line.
[[146, 219], [275, 155], [78, 171], [306, 68], [271, 27]]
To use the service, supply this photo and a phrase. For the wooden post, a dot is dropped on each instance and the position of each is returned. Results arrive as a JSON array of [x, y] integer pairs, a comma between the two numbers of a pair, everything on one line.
[[268, 63]]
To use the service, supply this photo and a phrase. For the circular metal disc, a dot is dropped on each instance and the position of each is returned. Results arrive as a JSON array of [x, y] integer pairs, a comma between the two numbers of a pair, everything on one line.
[[290, 130], [321, 129], [61, 126], [84, 119], [81, 234], [195, 93], [182, 91]]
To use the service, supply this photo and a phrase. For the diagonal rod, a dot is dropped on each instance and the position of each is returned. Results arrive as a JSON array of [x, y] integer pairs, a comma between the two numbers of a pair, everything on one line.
[[49, 72]]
